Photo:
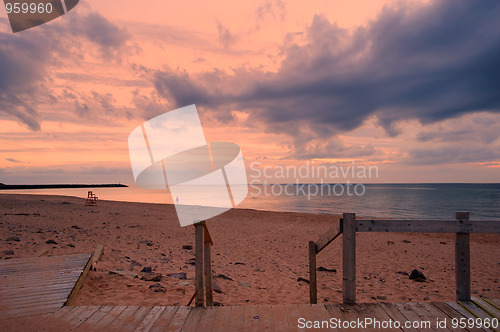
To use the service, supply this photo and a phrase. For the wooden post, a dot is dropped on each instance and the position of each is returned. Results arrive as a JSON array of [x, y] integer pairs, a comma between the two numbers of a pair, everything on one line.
[[462, 260], [349, 258], [313, 288], [199, 231], [208, 267]]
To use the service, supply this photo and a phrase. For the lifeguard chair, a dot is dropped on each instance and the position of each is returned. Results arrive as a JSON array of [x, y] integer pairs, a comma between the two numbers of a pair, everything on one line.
[[91, 199]]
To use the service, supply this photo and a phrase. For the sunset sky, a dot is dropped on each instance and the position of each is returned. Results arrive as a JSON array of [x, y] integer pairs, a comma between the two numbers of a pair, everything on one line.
[[412, 87]]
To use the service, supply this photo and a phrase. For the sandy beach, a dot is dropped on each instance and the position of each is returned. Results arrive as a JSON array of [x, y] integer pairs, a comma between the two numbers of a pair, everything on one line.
[[257, 256]]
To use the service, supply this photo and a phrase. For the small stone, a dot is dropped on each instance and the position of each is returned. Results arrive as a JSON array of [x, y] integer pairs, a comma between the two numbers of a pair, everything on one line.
[[135, 263], [244, 284], [418, 276], [382, 297], [147, 269], [299, 279], [152, 277], [187, 247], [222, 276], [321, 268], [8, 252], [51, 242], [427, 298], [76, 227], [122, 273], [216, 287], [442, 242], [218, 304], [71, 245], [402, 273], [260, 270], [180, 275], [406, 241], [390, 242], [239, 263], [157, 288], [13, 238]]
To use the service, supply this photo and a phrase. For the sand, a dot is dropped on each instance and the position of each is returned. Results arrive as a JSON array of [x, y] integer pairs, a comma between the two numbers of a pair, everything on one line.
[[264, 253]]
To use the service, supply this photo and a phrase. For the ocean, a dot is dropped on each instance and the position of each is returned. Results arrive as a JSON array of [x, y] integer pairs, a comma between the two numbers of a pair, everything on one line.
[[401, 201]]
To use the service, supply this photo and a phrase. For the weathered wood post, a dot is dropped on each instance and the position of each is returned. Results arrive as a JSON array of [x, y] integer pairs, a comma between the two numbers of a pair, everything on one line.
[[199, 232], [313, 288], [208, 267], [349, 258], [462, 259]]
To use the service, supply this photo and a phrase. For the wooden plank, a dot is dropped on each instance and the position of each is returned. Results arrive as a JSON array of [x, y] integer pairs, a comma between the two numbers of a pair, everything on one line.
[[35, 311], [458, 308], [266, 322], [292, 316], [378, 314], [178, 320], [193, 319], [393, 312], [428, 226], [336, 310], [426, 320], [221, 320], [313, 287], [493, 302], [473, 309], [251, 319], [42, 261], [144, 318], [236, 319], [96, 256], [462, 261], [79, 283], [109, 317], [132, 322], [83, 316], [487, 307], [279, 318], [208, 273], [34, 293], [96, 317], [122, 319], [207, 319], [207, 236], [349, 258], [199, 271], [315, 312], [438, 315], [330, 235], [164, 319], [72, 313]]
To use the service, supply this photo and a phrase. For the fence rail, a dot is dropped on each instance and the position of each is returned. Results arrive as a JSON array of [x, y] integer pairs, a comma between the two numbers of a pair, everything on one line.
[[462, 226]]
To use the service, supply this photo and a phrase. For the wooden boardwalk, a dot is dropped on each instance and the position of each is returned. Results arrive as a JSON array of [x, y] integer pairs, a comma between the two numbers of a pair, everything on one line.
[[270, 317], [38, 285]]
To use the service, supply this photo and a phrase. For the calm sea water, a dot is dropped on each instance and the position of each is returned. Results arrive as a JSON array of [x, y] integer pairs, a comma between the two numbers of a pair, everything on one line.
[[378, 200]]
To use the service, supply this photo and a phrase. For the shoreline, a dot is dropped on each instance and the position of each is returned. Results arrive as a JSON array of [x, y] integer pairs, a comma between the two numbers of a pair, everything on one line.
[[59, 186], [262, 252]]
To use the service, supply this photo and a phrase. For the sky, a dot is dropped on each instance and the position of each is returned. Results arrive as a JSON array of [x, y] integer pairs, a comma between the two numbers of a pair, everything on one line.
[[411, 87]]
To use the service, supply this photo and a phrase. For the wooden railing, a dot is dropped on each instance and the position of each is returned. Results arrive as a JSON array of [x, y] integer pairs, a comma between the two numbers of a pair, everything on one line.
[[349, 226], [203, 265]]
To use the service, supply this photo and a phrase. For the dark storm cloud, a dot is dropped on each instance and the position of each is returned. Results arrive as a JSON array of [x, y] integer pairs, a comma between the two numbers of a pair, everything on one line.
[[27, 60], [425, 62]]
